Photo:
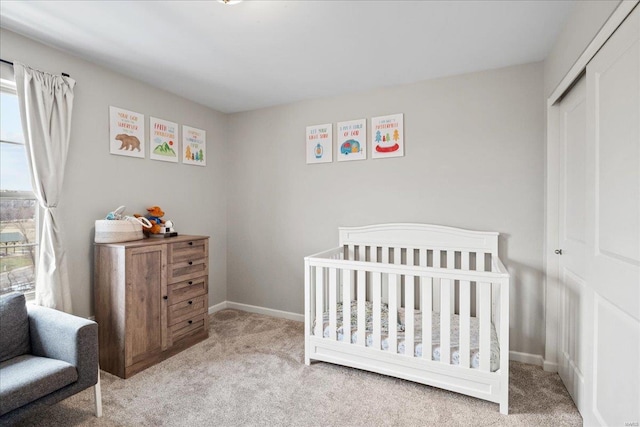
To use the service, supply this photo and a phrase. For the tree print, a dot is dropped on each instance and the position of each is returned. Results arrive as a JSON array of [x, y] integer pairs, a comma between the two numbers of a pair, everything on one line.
[[396, 135], [378, 136], [187, 154]]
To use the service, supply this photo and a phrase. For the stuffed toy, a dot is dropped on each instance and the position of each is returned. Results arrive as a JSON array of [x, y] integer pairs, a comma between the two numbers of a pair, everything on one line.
[[154, 216]]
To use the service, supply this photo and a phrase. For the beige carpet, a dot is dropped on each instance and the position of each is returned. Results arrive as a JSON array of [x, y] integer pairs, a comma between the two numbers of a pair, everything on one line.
[[251, 372]]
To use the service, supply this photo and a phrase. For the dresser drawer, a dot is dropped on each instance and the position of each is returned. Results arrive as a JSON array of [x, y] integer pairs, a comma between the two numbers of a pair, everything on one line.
[[188, 327], [188, 251], [187, 309], [188, 289], [187, 270]]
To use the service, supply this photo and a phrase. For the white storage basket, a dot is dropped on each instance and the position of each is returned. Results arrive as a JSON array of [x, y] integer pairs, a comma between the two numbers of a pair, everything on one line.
[[124, 229]]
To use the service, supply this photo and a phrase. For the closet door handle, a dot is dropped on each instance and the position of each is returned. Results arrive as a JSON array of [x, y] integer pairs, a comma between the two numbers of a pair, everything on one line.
[[558, 251]]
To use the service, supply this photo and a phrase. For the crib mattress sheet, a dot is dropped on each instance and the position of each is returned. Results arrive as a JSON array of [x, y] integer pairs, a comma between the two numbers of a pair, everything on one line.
[[418, 345]]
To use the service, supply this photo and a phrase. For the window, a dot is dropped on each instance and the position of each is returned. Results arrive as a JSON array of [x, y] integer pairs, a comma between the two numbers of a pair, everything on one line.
[[18, 205]]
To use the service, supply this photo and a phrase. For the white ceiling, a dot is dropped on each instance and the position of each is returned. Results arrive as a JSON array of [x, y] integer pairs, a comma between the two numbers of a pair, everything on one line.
[[262, 53]]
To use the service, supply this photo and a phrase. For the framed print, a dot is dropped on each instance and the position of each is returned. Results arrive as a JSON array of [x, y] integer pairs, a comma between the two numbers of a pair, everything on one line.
[[126, 133], [163, 140], [387, 136], [319, 144], [194, 146], [352, 140]]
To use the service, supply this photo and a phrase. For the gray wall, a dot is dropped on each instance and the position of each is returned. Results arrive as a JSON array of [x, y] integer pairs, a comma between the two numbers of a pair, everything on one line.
[[583, 23], [97, 182], [474, 159]]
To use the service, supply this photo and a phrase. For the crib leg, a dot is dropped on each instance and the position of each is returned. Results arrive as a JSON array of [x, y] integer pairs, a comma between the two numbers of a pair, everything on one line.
[[504, 406]]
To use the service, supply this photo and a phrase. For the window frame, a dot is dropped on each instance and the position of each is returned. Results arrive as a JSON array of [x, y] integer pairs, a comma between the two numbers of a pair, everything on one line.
[[8, 86]]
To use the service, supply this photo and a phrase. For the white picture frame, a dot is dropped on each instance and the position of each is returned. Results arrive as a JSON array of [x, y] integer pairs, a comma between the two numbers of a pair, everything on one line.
[[351, 140], [319, 143], [387, 136], [194, 146], [126, 133], [163, 140]]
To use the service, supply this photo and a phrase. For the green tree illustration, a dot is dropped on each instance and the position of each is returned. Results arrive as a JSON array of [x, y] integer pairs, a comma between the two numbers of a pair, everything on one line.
[[201, 155]]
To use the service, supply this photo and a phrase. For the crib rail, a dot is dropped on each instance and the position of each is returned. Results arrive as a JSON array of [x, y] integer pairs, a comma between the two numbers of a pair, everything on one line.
[[430, 280]]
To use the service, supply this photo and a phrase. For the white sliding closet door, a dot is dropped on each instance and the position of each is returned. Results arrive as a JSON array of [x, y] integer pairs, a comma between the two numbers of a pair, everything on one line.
[[613, 225], [571, 226], [599, 233]]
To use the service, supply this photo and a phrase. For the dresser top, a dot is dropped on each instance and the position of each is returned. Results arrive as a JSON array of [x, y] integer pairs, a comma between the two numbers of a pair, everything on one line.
[[148, 241]]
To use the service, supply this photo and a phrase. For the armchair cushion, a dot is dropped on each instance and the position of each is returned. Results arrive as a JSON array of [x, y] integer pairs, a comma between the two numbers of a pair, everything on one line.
[[26, 378], [14, 326]]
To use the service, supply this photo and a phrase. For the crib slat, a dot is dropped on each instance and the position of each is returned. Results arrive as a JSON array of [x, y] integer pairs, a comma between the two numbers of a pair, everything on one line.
[[485, 325], [451, 264], [479, 267], [385, 255], [346, 306], [377, 312], [436, 282], [465, 325], [421, 261], [426, 292], [333, 284], [464, 260], [373, 253], [393, 313], [362, 297], [351, 253], [445, 321], [397, 259], [410, 256], [319, 301], [409, 326]]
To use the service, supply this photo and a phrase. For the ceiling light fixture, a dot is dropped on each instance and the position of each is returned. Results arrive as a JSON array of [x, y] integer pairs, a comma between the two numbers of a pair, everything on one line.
[[230, 1]]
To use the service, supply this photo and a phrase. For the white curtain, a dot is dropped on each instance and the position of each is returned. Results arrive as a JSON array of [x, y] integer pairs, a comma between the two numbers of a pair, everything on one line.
[[46, 103]]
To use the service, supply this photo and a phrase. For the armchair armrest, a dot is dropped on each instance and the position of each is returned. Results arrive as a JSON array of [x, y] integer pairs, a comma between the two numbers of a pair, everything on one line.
[[62, 336]]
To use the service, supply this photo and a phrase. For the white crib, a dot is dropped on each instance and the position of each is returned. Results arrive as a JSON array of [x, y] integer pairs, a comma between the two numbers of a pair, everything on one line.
[[424, 275]]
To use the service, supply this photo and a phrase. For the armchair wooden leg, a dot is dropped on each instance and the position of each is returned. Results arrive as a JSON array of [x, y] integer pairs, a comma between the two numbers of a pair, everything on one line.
[[98, 396]]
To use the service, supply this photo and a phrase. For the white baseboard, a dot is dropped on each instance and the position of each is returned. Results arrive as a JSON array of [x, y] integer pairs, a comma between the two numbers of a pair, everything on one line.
[[531, 359], [217, 307], [266, 311], [256, 309], [550, 366]]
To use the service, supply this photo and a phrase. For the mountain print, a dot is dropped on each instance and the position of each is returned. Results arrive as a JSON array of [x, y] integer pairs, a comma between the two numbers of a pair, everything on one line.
[[164, 150]]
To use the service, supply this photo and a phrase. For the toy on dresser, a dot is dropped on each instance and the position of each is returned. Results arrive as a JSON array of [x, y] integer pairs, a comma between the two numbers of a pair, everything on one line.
[[159, 226]]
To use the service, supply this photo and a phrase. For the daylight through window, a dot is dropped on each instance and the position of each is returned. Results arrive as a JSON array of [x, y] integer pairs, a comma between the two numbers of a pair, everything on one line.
[[18, 205]]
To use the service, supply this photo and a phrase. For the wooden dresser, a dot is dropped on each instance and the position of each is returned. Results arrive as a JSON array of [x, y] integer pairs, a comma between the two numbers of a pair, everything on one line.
[[151, 300]]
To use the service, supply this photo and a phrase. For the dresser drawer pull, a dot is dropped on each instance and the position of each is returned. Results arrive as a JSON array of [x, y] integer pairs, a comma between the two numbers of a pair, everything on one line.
[[190, 243], [190, 262], [191, 282], [165, 297], [190, 321], [190, 302]]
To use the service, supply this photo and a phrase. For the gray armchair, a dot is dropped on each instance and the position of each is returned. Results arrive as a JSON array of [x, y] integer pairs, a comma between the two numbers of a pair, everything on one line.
[[45, 356]]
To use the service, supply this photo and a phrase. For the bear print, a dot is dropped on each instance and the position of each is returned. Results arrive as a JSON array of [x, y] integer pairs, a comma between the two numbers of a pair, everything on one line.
[[129, 142]]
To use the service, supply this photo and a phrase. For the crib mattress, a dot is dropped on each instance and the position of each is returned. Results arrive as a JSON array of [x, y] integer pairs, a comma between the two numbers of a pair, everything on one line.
[[418, 345]]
